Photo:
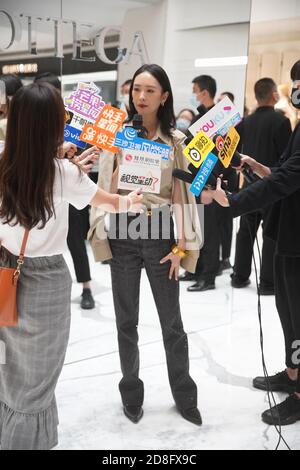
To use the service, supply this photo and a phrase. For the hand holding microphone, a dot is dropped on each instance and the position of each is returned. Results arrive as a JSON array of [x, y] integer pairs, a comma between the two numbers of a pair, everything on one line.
[[247, 163], [189, 176], [218, 194], [206, 194]]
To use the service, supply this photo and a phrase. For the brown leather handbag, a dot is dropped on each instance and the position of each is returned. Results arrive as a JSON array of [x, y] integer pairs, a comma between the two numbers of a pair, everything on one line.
[[8, 289]]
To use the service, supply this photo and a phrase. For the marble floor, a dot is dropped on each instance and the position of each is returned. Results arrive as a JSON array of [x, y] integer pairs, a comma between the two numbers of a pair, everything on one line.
[[224, 343]]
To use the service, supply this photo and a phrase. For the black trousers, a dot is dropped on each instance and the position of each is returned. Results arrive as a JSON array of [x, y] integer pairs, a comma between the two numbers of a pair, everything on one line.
[[78, 227], [128, 258], [226, 227], [287, 295], [208, 262], [249, 225]]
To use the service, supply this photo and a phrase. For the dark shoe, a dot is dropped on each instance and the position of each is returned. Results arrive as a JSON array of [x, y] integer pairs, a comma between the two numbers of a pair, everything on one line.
[[134, 413], [265, 290], [192, 415], [201, 286], [287, 412], [278, 383], [187, 277], [225, 263], [87, 301], [238, 282]]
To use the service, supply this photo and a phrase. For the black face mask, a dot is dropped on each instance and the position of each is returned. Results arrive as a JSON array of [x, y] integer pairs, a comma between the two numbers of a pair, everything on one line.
[[295, 97]]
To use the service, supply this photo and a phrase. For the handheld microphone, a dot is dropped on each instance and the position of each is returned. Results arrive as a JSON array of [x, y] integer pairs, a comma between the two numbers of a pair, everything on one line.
[[235, 161], [188, 177], [249, 176], [137, 124], [211, 182], [183, 175]]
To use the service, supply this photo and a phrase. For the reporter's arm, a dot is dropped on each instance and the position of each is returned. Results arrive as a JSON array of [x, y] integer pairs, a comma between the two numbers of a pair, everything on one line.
[[115, 203], [282, 182]]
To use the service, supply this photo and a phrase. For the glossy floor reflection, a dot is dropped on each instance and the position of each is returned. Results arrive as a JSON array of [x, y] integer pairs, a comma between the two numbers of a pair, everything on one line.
[[225, 354]]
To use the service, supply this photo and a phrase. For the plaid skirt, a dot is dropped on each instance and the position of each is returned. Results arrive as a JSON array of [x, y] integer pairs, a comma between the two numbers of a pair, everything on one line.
[[34, 354]]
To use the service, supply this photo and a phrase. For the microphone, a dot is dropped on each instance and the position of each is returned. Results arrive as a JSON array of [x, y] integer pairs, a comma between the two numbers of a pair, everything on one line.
[[247, 171], [186, 177], [235, 161], [211, 182], [183, 175], [137, 124]]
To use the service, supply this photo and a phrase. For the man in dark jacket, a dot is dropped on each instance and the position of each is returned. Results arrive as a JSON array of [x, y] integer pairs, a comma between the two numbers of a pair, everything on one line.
[[204, 89], [281, 188], [204, 92], [266, 133]]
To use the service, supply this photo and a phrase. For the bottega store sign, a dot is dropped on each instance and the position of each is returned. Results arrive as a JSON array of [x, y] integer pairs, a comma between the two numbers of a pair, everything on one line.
[[14, 32]]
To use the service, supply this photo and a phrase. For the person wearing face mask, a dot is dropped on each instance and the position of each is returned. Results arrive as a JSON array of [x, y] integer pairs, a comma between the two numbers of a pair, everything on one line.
[[124, 96], [208, 266], [279, 187], [265, 136], [204, 92], [184, 120], [202, 98]]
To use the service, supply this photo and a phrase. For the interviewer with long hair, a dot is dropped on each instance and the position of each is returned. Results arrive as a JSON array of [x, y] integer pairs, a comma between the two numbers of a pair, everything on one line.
[[36, 188]]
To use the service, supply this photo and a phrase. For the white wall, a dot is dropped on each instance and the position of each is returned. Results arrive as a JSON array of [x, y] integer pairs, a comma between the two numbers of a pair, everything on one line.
[[274, 42], [177, 32], [152, 22], [186, 44], [268, 10]]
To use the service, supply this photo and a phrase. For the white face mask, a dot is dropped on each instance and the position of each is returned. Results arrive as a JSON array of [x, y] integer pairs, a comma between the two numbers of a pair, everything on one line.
[[183, 124], [124, 99], [194, 101]]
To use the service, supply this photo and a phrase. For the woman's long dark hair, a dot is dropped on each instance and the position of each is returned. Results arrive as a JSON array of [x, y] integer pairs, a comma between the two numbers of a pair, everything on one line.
[[165, 113], [35, 130]]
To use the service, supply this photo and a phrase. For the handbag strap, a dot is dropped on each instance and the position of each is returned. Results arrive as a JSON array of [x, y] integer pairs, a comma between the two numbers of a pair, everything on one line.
[[24, 243], [20, 260], [23, 248]]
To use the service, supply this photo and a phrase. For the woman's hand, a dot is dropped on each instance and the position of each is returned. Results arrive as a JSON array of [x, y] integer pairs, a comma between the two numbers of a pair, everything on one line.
[[219, 194], [87, 159], [67, 149], [175, 264], [134, 201]]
